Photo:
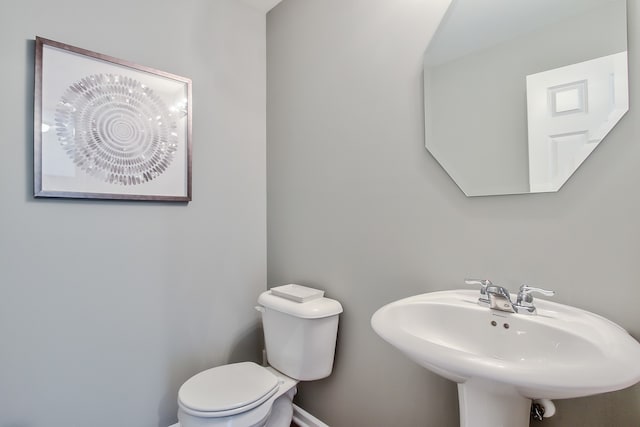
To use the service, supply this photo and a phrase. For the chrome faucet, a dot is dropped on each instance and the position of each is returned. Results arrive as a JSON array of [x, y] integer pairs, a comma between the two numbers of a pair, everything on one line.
[[483, 283], [524, 301], [498, 298]]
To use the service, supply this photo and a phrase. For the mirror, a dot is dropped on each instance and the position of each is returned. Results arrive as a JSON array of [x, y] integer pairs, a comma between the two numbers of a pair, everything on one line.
[[518, 93]]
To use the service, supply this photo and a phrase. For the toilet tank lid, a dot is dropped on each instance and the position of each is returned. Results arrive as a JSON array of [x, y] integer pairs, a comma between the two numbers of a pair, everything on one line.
[[297, 293], [315, 308]]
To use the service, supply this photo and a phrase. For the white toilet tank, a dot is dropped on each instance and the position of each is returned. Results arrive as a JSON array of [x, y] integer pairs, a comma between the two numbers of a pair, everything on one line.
[[300, 331]]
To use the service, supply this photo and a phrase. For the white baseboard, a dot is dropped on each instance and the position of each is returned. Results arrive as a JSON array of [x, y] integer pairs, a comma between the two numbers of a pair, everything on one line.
[[302, 418]]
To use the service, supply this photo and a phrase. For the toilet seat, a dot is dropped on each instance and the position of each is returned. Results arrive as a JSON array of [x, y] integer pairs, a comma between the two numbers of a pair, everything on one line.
[[227, 390]]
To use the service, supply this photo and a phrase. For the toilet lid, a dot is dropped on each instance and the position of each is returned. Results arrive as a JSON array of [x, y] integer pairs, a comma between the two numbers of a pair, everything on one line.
[[228, 387]]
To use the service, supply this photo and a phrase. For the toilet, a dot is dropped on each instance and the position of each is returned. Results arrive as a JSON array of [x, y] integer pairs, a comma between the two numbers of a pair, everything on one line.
[[300, 329]]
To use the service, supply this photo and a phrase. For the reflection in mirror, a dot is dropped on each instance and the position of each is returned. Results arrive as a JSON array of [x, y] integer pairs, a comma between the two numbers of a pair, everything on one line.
[[518, 93]]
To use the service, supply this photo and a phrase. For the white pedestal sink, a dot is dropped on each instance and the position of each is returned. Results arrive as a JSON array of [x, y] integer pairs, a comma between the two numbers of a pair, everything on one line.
[[503, 360]]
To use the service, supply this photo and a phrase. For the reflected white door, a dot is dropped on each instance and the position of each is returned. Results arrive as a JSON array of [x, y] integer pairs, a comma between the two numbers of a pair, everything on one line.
[[569, 110]]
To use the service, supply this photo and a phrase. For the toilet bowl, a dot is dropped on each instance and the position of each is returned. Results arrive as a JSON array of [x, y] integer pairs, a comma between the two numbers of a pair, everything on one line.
[[300, 329], [237, 395]]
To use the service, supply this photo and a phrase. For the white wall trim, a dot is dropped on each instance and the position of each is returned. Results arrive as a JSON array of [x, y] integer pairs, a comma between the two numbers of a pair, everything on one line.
[[302, 418]]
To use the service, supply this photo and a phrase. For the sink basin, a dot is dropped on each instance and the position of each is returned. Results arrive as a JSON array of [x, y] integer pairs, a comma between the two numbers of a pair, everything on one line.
[[498, 357]]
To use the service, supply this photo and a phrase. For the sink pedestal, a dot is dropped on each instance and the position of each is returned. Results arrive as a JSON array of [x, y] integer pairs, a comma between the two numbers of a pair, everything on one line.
[[485, 403]]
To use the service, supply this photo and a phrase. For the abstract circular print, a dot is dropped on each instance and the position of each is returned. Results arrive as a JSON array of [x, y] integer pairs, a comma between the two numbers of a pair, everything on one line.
[[116, 129]]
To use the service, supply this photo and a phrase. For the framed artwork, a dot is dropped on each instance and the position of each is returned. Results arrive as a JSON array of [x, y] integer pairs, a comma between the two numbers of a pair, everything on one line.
[[105, 128]]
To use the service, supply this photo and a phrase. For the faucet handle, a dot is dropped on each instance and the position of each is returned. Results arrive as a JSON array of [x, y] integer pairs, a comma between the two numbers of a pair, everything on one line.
[[524, 296], [483, 283]]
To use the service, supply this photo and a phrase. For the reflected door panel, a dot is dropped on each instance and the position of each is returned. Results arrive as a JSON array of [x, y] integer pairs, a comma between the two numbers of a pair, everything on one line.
[[570, 110]]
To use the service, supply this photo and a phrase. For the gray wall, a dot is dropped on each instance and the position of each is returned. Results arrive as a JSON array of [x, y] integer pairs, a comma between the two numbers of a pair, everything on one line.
[[106, 308], [357, 206]]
